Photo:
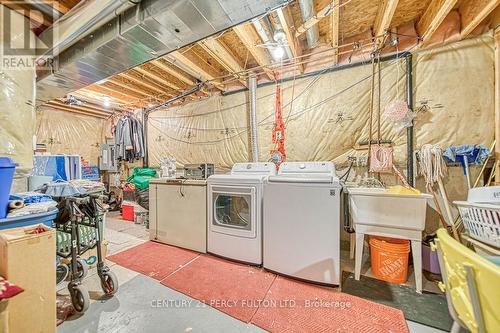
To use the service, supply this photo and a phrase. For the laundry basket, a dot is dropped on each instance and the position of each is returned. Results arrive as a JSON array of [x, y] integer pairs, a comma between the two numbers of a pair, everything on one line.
[[481, 221]]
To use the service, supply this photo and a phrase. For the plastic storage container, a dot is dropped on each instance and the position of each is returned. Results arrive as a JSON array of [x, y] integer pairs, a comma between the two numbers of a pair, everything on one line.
[[23, 221], [430, 262], [7, 168], [389, 258], [128, 212]]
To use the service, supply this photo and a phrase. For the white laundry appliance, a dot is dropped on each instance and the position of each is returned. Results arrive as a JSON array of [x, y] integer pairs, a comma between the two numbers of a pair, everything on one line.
[[178, 212], [235, 212], [302, 222]]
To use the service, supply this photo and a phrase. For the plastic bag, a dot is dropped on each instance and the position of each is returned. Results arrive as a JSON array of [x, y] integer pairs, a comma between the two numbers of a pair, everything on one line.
[[141, 177]]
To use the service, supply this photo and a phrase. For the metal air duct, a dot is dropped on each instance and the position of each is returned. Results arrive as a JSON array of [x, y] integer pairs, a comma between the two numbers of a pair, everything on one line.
[[252, 88], [142, 33], [308, 11]]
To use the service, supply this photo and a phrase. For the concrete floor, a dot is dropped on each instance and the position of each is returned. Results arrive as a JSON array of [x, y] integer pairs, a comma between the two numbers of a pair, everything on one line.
[[144, 305]]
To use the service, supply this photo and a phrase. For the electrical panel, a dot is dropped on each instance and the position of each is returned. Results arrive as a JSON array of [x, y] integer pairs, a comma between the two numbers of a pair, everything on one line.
[[107, 157]]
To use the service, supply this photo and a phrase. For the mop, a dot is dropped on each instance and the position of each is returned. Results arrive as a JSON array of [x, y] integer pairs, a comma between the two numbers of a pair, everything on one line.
[[433, 168]]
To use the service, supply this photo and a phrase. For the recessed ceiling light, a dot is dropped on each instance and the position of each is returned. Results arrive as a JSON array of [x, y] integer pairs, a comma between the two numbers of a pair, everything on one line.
[[278, 52], [107, 102]]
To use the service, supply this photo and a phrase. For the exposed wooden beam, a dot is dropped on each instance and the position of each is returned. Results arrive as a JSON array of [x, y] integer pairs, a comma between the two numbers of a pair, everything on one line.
[[114, 93], [321, 14], [85, 106], [73, 109], [383, 20], [224, 57], [474, 12], [184, 78], [335, 23], [202, 73], [247, 34], [58, 5], [129, 87], [96, 99], [433, 16], [159, 80], [286, 21], [144, 82]]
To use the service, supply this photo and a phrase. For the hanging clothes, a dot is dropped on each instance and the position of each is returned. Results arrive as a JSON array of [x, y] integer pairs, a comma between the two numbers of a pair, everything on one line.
[[129, 139]]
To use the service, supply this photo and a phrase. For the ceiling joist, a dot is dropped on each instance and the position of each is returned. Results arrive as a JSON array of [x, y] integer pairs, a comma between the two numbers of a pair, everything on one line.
[[286, 22], [224, 57], [158, 79], [433, 16], [202, 74], [321, 14], [116, 94], [474, 12], [137, 92], [167, 68], [383, 21], [77, 109], [144, 82], [247, 34], [335, 30]]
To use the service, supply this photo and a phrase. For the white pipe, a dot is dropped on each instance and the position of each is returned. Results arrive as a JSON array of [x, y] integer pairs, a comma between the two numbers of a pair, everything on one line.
[[308, 11], [252, 87]]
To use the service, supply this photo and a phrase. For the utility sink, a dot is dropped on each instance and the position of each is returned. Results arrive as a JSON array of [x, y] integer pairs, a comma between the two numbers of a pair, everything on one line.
[[376, 207]]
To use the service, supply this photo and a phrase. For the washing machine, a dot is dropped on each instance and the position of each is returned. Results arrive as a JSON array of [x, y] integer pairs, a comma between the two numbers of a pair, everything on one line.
[[301, 236], [235, 212]]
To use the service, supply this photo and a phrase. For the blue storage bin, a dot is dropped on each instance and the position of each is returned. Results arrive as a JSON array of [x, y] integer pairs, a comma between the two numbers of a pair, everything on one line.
[[24, 221], [7, 168]]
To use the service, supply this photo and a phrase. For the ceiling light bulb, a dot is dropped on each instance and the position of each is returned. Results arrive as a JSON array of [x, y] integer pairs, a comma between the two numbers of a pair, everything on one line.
[[279, 36], [107, 102], [278, 53]]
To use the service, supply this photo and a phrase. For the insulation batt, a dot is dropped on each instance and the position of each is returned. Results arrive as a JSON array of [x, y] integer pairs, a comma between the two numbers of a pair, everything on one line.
[[454, 88], [17, 96]]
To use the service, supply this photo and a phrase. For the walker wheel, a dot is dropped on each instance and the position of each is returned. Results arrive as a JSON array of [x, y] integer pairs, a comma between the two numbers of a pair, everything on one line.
[[82, 268], [109, 283], [80, 298], [62, 272]]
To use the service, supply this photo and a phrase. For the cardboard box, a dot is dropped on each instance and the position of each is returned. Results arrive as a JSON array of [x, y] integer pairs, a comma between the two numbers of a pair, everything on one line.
[[90, 256], [29, 261]]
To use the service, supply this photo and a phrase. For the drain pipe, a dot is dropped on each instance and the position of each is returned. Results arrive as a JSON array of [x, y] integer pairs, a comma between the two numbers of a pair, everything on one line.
[[252, 87], [307, 11], [409, 129]]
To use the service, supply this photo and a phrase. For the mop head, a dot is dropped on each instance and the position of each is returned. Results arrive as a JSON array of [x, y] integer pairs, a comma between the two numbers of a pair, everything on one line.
[[432, 165]]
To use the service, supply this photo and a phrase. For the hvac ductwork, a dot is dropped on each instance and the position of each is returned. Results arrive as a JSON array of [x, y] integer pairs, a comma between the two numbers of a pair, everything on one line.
[[308, 11], [81, 20], [252, 89], [149, 30]]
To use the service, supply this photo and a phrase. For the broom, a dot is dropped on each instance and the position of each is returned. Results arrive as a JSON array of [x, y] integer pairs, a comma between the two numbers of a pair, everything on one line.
[[433, 168]]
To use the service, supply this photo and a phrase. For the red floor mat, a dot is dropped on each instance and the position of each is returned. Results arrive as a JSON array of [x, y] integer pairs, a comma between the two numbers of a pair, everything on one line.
[[292, 306], [153, 259], [232, 288]]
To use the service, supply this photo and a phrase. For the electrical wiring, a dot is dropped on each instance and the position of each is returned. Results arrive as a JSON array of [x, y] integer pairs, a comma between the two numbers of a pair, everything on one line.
[[292, 62], [293, 116], [233, 106]]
